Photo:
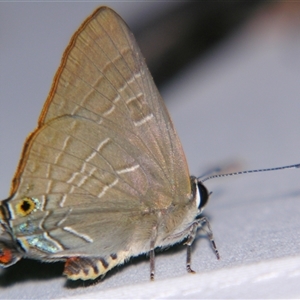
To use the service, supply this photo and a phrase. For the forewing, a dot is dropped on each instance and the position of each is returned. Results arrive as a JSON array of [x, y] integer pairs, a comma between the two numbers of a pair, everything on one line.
[[105, 143]]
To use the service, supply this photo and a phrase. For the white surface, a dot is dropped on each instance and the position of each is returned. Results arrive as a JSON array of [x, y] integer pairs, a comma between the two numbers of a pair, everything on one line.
[[240, 103], [222, 284]]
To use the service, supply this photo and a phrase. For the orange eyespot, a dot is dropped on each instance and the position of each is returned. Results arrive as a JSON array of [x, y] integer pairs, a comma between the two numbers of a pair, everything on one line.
[[5, 256], [26, 206]]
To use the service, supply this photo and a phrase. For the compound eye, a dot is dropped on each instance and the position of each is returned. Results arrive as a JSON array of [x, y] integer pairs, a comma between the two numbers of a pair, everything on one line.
[[204, 195]]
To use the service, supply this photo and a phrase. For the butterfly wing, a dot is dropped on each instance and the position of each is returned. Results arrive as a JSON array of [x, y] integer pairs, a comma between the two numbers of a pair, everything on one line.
[[105, 153]]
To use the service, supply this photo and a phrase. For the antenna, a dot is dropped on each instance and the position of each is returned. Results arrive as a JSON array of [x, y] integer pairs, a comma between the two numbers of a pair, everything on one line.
[[249, 171]]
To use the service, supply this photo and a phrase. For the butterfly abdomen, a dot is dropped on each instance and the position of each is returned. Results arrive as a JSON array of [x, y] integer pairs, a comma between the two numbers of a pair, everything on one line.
[[89, 268]]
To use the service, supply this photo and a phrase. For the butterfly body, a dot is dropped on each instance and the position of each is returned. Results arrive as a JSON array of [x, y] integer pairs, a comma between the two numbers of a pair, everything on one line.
[[103, 177]]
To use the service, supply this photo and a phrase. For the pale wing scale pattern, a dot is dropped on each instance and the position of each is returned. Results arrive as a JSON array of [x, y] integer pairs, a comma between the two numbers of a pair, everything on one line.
[[111, 44], [105, 147], [76, 157]]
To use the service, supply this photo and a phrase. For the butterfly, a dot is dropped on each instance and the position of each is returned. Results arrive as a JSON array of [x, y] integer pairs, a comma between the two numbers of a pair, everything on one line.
[[103, 177]]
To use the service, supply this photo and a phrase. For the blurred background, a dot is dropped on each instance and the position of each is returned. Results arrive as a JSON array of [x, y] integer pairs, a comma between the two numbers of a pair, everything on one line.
[[229, 73]]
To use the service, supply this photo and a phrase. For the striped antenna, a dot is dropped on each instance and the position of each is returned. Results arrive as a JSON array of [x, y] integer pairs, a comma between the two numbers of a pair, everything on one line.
[[249, 171]]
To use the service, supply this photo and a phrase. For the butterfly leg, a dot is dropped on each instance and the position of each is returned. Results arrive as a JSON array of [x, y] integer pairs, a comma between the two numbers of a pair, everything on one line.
[[152, 253], [204, 221], [191, 237], [152, 261]]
